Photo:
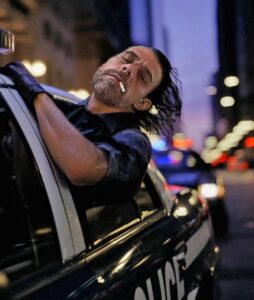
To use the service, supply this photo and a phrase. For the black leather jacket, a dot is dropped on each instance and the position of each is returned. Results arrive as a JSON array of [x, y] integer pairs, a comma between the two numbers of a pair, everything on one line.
[[128, 150]]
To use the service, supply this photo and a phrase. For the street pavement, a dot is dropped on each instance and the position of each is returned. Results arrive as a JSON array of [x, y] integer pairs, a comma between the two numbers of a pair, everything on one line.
[[236, 265]]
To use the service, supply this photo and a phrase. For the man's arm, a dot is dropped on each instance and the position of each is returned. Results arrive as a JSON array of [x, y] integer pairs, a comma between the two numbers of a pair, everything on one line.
[[81, 161]]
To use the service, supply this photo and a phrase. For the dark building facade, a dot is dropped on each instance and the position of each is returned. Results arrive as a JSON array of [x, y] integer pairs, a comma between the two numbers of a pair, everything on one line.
[[224, 118], [234, 124], [235, 21], [71, 37], [245, 56]]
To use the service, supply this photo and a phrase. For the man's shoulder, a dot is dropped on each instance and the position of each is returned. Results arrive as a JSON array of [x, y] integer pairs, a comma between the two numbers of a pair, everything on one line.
[[133, 136], [135, 131]]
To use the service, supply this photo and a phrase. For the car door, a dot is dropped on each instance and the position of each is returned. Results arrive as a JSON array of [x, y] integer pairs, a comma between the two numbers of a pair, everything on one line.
[[42, 246], [168, 254], [130, 257], [195, 255]]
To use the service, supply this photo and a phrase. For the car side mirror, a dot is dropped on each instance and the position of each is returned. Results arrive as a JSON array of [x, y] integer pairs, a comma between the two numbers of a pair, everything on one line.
[[6, 42]]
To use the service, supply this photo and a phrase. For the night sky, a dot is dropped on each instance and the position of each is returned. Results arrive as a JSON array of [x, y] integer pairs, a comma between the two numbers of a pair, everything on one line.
[[193, 51]]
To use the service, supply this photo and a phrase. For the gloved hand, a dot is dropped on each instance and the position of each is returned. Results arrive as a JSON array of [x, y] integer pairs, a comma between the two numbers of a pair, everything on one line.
[[26, 84]]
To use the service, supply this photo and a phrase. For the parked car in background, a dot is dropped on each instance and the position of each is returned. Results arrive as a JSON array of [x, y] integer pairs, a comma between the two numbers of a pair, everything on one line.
[[157, 245], [185, 167]]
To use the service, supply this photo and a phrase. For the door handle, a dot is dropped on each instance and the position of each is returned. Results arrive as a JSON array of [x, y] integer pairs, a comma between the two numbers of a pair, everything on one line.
[[180, 256]]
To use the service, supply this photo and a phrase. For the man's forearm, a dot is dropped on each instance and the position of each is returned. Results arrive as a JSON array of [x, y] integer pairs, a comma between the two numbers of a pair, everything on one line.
[[79, 159]]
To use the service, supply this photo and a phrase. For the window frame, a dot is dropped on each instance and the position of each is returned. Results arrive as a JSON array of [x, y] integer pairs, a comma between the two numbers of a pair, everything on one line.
[[68, 228], [128, 231], [163, 204]]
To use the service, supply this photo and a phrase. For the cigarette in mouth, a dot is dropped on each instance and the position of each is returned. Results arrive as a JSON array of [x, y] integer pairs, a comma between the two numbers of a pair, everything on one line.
[[123, 90]]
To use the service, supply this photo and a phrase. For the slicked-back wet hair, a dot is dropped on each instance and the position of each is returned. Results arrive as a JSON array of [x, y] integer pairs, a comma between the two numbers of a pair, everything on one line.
[[166, 101]]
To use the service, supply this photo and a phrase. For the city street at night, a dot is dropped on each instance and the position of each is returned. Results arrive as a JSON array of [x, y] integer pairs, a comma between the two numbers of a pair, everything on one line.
[[236, 268], [126, 150]]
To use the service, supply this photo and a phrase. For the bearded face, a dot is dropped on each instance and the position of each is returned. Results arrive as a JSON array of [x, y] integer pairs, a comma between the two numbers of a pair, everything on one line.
[[106, 88], [127, 78]]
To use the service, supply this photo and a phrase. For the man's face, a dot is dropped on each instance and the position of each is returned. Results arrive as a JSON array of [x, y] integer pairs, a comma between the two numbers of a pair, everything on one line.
[[136, 69]]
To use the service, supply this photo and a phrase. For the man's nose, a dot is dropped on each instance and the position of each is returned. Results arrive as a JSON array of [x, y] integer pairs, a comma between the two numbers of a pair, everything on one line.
[[129, 69], [126, 70]]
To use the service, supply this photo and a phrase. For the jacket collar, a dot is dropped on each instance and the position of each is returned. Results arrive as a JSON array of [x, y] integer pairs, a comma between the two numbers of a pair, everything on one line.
[[117, 121]]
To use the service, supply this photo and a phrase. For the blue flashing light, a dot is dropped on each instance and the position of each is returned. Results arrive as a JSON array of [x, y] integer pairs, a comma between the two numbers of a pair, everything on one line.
[[162, 161], [159, 145]]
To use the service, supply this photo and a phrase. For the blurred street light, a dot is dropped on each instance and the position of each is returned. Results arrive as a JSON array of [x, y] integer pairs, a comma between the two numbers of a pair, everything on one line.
[[227, 101], [37, 68], [211, 141], [211, 90], [181, 141], [230, 141], [82, 93], [231, 81]]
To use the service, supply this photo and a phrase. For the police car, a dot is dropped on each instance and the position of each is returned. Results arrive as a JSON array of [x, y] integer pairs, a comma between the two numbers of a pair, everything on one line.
[[158, 245]]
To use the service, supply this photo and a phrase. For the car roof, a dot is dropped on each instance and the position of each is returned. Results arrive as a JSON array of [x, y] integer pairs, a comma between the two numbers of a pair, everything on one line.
[[57, 93]]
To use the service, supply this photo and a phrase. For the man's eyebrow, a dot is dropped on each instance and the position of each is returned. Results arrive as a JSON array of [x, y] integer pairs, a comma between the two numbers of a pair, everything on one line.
[[131, 53], [137, 57]]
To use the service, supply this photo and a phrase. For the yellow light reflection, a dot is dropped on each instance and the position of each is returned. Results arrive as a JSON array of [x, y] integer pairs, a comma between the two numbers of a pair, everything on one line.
[[154, 110], [192, 200], [43, 231], [181, 211], [100, 279], [191, 161], [4, 281], [216, 249], [124, 260], [141, 262]]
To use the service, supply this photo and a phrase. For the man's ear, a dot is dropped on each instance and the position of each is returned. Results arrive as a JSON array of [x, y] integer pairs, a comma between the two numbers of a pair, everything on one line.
[[143, 104]]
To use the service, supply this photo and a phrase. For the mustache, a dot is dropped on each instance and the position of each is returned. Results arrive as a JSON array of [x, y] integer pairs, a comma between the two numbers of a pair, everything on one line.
[[120, 75]]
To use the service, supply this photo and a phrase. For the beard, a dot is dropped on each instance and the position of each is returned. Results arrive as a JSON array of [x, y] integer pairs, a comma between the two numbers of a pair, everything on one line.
[[106, 88]]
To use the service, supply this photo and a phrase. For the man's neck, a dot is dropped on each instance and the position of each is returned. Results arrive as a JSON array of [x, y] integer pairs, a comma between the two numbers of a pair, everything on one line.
[[97, 107]]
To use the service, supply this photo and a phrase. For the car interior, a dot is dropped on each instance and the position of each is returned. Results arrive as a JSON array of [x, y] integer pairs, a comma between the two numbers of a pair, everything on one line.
[[24, 211]]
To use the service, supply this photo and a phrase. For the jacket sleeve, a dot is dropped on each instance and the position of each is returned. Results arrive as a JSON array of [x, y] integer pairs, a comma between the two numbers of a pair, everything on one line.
[[128, 153]]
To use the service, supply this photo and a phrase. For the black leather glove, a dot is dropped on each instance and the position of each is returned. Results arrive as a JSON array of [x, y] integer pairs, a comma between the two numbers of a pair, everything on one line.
[[26, 84]]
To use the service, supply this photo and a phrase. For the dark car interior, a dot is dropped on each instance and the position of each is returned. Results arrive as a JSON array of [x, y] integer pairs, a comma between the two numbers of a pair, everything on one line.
[[24, 244]]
